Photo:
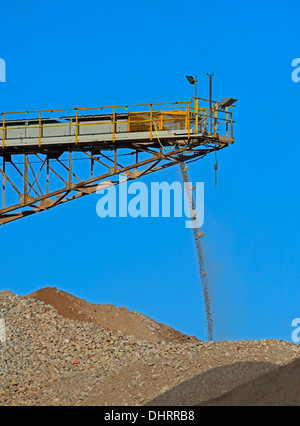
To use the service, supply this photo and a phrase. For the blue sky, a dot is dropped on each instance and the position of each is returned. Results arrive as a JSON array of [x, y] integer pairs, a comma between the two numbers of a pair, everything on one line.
[[77, 54]]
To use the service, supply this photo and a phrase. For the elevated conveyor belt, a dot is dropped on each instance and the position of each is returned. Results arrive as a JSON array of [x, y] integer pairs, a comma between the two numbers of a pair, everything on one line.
[[53, 156]]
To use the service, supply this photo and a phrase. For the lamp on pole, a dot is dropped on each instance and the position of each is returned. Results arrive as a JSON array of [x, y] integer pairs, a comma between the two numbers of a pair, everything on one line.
[[194, 81]]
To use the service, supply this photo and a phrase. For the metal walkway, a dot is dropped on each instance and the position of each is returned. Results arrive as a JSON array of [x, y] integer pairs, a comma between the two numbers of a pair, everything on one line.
[[53, 156]]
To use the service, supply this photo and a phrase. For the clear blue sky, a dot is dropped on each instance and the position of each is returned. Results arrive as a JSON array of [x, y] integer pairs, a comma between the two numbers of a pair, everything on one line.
[[85, 53]]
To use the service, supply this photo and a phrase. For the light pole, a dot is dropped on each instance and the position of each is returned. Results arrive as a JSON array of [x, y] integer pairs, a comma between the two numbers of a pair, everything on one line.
[[194, 81]]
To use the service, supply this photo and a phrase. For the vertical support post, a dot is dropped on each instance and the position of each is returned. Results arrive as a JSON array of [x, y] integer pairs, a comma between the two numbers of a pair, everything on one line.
[[115, 160], [210, 91], [201, 118], [188, 120], [40, 129], [76, 128], [226, 121], [196, 115], [231, 125], [25, 177], [185, 120], [210, 101], [161, 119], [151, 119], [3, 184], [47, 161], [114, 125], [3, 132], [70, 169], [92, 167], [216, 118]]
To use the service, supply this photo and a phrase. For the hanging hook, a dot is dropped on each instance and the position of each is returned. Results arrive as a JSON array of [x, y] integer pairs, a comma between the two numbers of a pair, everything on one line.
[[216, 168]]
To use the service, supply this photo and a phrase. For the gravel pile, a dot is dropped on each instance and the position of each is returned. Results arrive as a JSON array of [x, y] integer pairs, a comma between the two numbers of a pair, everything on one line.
[[280, 387], [51, 360], [128, 323]]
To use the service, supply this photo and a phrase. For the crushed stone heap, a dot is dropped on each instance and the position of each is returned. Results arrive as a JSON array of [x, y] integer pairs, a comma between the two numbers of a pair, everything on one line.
[[48, 359]]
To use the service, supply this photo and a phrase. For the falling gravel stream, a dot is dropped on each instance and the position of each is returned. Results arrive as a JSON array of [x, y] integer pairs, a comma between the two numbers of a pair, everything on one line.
[[202, 272]]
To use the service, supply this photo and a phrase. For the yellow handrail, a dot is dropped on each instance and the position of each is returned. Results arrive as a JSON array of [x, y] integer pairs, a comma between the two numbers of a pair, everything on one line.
[[91, 108], [168, 117]]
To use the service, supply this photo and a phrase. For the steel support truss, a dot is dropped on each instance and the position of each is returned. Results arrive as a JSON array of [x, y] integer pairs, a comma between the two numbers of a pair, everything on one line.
[[38, 181]]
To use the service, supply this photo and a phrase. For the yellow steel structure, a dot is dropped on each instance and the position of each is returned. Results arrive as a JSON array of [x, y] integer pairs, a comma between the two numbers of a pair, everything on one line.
[[39, 147]]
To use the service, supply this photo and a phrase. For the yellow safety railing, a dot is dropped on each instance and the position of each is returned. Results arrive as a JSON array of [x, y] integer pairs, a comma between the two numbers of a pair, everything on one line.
[[189, 116]]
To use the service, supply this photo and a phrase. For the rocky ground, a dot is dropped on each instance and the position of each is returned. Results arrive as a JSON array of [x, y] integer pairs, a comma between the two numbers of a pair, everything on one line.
[[51, 359]]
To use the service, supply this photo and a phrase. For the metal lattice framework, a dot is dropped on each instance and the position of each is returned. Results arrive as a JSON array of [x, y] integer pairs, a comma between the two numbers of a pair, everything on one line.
[[48, 161]]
